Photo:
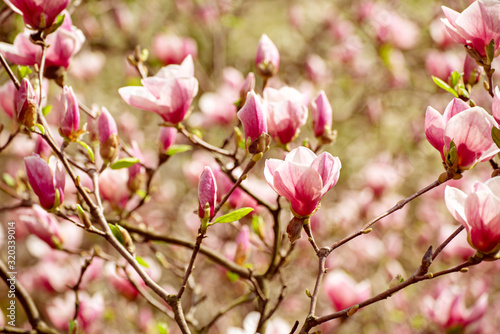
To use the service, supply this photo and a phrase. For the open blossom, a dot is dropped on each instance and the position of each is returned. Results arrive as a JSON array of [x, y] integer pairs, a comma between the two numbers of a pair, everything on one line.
[[172, 49], [169, 93], [479, 213], [476, 26], [43, 225], [207, 192], [469, 128], [286, 113], [39, 14], [267, 59], [448, 309], [343, 291], [303, 178], [46, 180], [64, 43]]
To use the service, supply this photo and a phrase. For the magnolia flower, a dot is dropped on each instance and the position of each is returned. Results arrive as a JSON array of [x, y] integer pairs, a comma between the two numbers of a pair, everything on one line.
[[26, 103], [479, 213], [207, 192], [43, 225], [470, 130], [286, 113], [448, 309], [169, 93], [322, 115], [70, 114], [242, 245], [46, 180], [39, 14], [7, 98], [476, 26], [343, 291], [253, 118], [166, 138], [64, 43], [303, 178], [108, 135], [172, 49]]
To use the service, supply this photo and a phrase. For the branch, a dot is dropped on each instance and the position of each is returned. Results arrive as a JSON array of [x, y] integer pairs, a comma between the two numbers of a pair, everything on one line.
[[199, 142]]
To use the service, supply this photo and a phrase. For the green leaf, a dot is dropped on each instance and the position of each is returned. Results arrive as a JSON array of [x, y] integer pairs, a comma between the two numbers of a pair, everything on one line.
[[490, 51], [142, 262], [59, 21], [41, 128], [73, 327], [233, 216], [440, 83], [162, 328], [88, 148], [452, 156], [116, 232], [175, 149], [233, 277], [495, 135], [9, 180], [385, 54], [454, 78], [23, 71], [46, 110], [125, 163]]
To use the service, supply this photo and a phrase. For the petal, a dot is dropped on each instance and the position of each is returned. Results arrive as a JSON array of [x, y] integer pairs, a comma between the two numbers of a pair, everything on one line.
[[139, 97], [483, 215], [328, 168], [41, 180], [454, 107], [455, 202], [301, 155], [270, 168], [434, 129]]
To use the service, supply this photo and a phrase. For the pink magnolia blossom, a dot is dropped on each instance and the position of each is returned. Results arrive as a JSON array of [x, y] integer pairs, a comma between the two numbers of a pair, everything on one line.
[[172, 49], [113, 187], [343, 291], [39, 14], [267, 60], [479, 213], [64, 43], [322, 115], [472, 71], [87, 65], [7, 94], [469, 128], [43, 225], [169, 93], [286, 113], [166, 138], [242, 245], [448, 309], [108, 135], [439, 34], [136, 172], [303, 178], [46, 180], [253, 116], [247, 86], [495, 105], [70, 114], [476, 26], [26, 103], [442, 64], [207, 192]]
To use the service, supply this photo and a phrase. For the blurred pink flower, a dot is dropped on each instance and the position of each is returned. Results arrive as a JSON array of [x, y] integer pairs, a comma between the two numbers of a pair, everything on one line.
[[113, 187], [469, 128], [495, 105], [442, 64], [166, 138], [448, 309], [43, 225], [87, 65], [172, 49], [242, 245], [267, 60], [479, 213], [46, 180], [439, 34], [476, 26], [207, 192], [64, 43], [169, 93], [472, 71], [343, 291], [7, 97], [303, 178], [286, 113], [39, 14]]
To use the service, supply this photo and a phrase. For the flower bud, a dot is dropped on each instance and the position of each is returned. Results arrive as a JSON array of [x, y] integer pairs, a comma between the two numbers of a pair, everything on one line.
[[472, 71], [267, 59], [108, 135], [26, 104], [294, 229], [207, 192], [322, 115], [46, 181], [253, 118], [242, 245], [70, 114], [166, 138]]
